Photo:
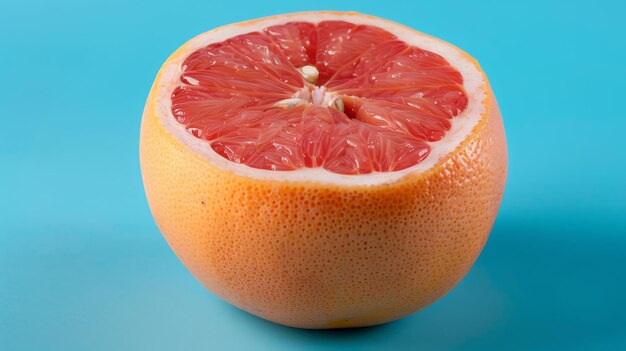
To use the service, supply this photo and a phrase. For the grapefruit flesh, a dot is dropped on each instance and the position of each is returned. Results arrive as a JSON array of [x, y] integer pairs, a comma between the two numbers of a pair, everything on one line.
[[323, 169], [247, 95]]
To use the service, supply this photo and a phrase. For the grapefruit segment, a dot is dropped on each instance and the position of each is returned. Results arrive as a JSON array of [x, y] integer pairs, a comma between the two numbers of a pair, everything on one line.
[[317, 128], [371, 60], [396, 72], [340, 42], [267, 139], [399, 118], [249, 62], [296, 40], [357, 148], [260, 54]]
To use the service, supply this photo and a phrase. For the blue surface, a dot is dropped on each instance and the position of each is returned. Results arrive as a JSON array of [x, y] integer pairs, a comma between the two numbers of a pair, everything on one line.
[[83, 266]]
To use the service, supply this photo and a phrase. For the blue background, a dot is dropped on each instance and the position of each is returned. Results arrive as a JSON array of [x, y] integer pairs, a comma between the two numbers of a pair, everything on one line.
[[83, 266]]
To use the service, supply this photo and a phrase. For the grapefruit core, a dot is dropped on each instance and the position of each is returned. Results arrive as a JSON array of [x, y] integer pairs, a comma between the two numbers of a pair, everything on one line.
[[323, 169]]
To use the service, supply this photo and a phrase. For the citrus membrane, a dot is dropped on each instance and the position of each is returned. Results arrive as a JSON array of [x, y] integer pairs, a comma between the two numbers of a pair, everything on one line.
[[348, 98]]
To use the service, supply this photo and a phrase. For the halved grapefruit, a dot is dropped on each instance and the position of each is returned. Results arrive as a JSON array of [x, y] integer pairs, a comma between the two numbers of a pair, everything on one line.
[[323, 169]]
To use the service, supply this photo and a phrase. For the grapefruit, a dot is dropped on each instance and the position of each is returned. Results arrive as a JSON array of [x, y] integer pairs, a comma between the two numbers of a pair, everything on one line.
[[323, 169]]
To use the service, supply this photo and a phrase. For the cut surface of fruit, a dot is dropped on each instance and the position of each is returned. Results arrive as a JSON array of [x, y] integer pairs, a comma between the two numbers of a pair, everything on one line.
[[325, 97]]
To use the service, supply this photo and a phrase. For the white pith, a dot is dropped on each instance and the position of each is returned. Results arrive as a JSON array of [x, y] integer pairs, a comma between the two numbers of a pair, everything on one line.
[[462, 125]]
